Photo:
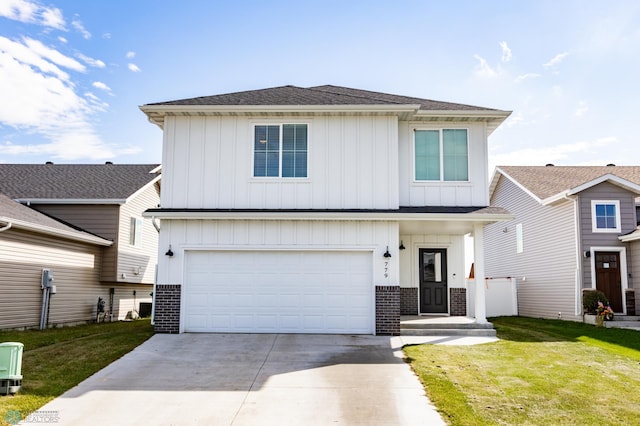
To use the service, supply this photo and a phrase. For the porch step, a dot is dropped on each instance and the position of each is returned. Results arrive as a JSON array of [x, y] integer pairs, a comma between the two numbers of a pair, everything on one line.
[[623, 323], [444, 326], [471, 332]]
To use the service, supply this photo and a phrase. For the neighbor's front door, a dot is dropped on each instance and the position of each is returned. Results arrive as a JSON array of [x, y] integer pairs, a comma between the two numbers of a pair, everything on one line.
[[608, 278], [433, 281]]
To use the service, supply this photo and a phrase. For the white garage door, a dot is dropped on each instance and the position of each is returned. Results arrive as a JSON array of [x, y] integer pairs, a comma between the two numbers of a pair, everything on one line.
[[279, 292]]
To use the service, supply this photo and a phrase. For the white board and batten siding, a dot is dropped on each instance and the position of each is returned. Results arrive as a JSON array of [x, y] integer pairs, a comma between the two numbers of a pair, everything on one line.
[[436, 193], [352, 164], [409, 258], [547, 269]]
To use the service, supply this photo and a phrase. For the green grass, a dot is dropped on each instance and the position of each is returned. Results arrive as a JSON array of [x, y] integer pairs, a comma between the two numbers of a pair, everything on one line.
[[541, 372], [55, 360]]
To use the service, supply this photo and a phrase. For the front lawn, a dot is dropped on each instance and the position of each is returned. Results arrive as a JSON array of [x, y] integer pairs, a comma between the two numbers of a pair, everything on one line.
[[55, 360], [541, 372]]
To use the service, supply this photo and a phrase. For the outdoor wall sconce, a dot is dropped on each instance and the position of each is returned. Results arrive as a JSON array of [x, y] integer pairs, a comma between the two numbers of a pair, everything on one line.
[[169, 252], [402, 247], [386, 253]]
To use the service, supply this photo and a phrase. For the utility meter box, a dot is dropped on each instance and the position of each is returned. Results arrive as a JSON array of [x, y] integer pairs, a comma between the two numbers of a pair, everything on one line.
[[10, 367]]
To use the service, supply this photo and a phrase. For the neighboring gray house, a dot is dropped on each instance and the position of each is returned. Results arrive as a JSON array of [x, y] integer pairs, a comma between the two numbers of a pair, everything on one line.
[[104, 200], [318, 210], [574, 229]]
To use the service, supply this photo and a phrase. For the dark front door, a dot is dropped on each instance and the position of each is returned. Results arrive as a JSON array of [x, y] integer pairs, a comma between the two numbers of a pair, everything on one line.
[[608, 278], [433, 281]]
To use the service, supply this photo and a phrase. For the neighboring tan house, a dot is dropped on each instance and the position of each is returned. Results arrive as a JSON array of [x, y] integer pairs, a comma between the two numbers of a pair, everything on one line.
[[105, 200], [318, 210], [574, 229]]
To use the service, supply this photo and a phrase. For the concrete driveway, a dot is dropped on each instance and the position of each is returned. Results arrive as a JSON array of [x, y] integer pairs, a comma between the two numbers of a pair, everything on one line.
[[250, 379]]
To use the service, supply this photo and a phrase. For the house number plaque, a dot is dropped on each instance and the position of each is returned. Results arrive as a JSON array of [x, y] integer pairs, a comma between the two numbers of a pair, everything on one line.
[[386, 269]]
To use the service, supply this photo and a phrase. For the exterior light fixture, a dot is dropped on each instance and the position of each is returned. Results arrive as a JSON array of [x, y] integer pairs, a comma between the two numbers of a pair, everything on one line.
[[402, 247], [169, 252], [386, 253]]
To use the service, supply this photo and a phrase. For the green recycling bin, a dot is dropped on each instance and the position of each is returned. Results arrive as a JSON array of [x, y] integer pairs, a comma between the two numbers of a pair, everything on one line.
[[10, 367]]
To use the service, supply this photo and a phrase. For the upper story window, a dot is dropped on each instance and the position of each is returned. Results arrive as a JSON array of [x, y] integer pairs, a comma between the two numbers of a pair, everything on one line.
[[605, 216], [280, 151], [135, 231], [441, 155]]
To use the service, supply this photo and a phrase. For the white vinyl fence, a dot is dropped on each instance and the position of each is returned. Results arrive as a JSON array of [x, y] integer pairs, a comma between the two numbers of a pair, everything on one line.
[[501, 296]]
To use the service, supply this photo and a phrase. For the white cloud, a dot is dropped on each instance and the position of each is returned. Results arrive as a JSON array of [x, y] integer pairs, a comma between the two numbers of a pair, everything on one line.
[[32, 53], [506, 52], [44, 103], [130, 55], [31, 12], [582, 109], [133, 67], [52, 17], [106, 36], [100, 85], [483, 69], [53, 55], [97, 63], [556, 60], [62, 40], [527, 76], [77, 24]]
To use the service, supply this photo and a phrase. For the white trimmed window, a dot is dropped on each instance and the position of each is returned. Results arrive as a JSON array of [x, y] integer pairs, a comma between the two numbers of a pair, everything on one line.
[[280, 150], [605, 216], [441, 155], [135, 231]]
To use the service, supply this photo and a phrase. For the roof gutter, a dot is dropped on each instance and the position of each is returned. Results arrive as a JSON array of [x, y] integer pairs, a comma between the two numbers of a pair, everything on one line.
[[337, 216], [6, 226], [109, 201]]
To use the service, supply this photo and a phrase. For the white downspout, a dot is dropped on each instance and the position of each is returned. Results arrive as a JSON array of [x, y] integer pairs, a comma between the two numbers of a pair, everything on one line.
[[578, 272]]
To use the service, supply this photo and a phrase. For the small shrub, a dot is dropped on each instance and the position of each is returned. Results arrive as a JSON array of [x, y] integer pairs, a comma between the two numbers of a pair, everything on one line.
[[590, 299]]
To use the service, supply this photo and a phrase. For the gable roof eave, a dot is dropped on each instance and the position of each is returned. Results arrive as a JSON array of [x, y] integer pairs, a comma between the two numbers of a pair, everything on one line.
[[157, 113], [611, 178], [59, 233], [496, 177], [143, 188]]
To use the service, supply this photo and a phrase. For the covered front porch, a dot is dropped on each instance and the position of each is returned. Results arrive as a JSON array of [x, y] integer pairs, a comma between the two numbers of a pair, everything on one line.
[[436, 254]]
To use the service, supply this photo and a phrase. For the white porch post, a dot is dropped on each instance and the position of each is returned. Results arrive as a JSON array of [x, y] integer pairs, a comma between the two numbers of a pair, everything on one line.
[[478, 249]]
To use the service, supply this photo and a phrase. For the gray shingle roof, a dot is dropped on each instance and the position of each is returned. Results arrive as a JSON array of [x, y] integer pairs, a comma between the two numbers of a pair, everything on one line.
[[319, 95], [74, 181], [547, 181]]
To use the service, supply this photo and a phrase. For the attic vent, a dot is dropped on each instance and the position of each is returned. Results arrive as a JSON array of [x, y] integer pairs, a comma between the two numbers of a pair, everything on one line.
[[108, 162], [548, 165], [49, 162], [611, 165]]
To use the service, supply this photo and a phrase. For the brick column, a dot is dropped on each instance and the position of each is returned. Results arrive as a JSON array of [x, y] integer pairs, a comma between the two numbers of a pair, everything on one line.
[[167, 308], [458, 302], [387, 310], [408, 301]]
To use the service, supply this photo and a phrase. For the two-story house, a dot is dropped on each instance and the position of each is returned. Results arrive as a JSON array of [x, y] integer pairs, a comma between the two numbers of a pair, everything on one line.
[[105, 200], [318, 210], [574, 229]]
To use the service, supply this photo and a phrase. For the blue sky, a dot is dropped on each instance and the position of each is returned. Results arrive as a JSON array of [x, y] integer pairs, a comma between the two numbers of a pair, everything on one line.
[[73, 73]]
